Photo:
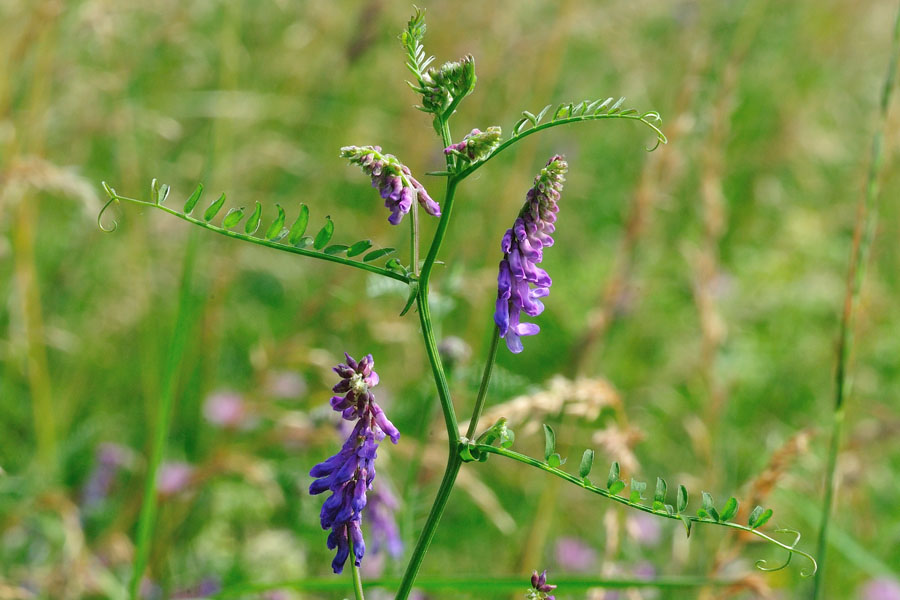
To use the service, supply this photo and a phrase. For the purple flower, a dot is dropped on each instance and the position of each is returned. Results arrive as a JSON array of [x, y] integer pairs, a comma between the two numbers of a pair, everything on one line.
[[574, 555], [380, 515], [882, 588], [393, 179], [225, 409], [523, 246], [110, 459], [540, 588], [351, 472], [173, 477]]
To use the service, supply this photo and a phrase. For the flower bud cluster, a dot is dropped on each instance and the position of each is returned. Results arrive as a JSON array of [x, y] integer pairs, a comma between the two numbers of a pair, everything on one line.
[[477, 145], [452, 80], [393, 180]]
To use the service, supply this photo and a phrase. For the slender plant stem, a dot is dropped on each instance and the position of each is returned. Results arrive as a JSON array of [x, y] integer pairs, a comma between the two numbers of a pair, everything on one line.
[[434, 517], [357, 580], [176, 352], [261, 242], [487, 584], [485, 382], [586, 484], [414, 238], [864, 231], [440, 378]]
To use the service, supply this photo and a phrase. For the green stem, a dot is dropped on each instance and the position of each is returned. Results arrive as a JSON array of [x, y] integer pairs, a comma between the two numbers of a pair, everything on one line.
[[414, 238], [262, 242], [586, 484], [643, 118], [496, 584], [440, 379], [434, 517], [864, 231], [176, 353], [357, 580], [485, 382]]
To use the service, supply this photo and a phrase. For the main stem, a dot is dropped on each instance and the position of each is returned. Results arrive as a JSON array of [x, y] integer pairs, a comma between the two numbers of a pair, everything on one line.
[[866, 218], [440, 378]]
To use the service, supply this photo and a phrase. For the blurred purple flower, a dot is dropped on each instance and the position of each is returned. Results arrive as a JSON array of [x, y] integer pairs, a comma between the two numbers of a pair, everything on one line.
[[225, 409], [523, 246], [110, 459], [644, 529], [351, 472], [380, 515], [574, 555], [207, 587], [395, 183], [882, 588], [173, 477], [285, 384]]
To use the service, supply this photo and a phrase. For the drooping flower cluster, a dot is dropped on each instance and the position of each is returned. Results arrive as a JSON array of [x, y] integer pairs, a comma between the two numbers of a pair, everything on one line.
[[393, 180], [523, 246], [477, 145], [351, 472], [540, 589]]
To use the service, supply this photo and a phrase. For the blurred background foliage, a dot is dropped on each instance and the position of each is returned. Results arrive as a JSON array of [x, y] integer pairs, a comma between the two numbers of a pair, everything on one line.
[[696, 299]]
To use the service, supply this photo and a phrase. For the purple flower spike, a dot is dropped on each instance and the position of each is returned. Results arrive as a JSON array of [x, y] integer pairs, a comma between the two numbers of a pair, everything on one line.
[[349, 474], [540, 589], [395, 183], [521, 283]]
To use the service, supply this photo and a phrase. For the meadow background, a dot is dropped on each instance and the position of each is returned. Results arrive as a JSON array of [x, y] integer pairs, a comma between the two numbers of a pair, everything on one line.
[[696, 302]]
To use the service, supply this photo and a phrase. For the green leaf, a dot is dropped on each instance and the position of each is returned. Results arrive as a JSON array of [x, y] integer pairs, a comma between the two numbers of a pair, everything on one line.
[[324, 234], [253, 222], [759, 517], [193, 199], [682, 500], [299, 226], [590, 108], [395, 265], [232, 217], [554, 460], [335, 249], [659, 506], [376, 254], [159, 191], [359, 247], [687, 525], [730, 509], [616, 487], [530, 117], [507, 437], [587, 462], [603, 105], [561, 112], [214, 208], [613, 475], [617, 105], [304, 242], [277, 225], [413, 293], [661, 488], [541, 114], [517, 128], [708, 506], [637, 490], [549, 442]]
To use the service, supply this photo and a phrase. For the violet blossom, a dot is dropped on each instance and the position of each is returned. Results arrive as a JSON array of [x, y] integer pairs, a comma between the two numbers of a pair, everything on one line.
[[520, 282], [393, 179], [477, 145], [350, 473], [540, 589]]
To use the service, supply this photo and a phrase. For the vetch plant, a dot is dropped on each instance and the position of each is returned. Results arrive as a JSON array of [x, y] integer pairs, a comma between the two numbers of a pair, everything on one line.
[[349, 475]]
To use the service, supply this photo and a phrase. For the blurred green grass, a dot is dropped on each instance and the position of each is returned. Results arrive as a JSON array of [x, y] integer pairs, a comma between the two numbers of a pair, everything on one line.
[[728, 249]]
